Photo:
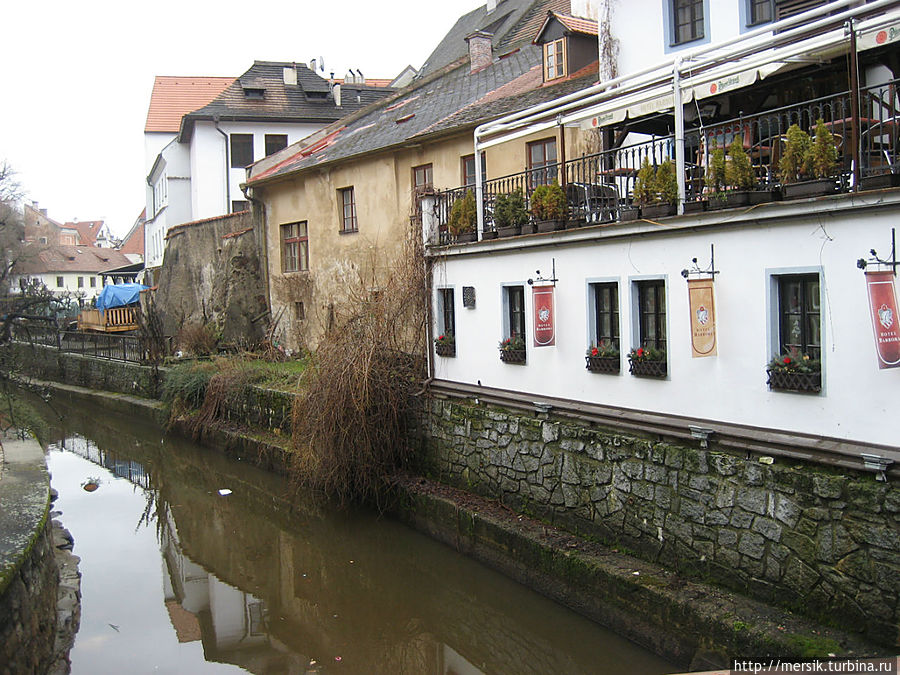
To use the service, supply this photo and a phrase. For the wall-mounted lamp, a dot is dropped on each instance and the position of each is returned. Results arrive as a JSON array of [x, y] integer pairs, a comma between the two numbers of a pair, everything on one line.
[[873, 259], [702, 434], [538, 279]]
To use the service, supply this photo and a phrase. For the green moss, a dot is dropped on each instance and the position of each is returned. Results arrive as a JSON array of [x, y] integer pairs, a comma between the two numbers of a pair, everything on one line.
[[809, 646]]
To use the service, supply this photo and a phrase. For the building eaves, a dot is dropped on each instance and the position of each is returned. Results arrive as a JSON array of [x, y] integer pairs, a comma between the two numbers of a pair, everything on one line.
[[571, 24]]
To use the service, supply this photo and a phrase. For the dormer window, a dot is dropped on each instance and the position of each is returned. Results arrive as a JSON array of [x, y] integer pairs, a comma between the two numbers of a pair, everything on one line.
[[555, 59], [254, 93]]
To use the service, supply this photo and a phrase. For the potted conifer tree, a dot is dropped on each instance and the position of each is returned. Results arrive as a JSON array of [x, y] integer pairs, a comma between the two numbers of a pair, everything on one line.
[[808, 166], [510, 214], [549, 207], [463, 218]]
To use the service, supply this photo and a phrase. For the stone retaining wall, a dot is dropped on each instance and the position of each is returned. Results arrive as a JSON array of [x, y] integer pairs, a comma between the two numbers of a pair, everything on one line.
[[28, 573], [48, 363], [824, 543]]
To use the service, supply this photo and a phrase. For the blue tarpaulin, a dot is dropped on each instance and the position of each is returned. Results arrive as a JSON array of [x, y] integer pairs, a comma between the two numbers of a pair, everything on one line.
[[119, 295]]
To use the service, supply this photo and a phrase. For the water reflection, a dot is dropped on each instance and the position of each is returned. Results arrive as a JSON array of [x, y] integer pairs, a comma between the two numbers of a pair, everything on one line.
[[272, 585]]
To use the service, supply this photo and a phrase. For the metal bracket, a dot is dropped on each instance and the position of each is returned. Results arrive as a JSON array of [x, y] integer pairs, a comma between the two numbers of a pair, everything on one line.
[[709, 273], [541, 281], [702, 434], [876, 463], [873, 259]]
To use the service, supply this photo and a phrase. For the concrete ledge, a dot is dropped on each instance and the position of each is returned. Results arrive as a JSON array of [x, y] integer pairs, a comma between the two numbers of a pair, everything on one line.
[[692, 624], [24, 503]]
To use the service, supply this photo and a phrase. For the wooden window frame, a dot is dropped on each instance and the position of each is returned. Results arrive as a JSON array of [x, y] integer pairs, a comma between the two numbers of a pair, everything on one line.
[[240, 138], [294, 246], [752, 8], [428, 171], [542, 173], [611, 315], [60, 282], [805, 314], [272, 140], [515, 311], [697, 11], [448, 311], [656, 335], [349, 222], [555, 53]]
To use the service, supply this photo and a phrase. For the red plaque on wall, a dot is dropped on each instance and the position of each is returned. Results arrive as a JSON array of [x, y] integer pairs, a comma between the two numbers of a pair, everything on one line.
[[544, 319], [883, 308]]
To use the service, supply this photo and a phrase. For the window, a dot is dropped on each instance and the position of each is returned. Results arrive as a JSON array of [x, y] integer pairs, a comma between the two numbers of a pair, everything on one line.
[[799, 320], [468, 169], [687, 21], [605, 313], [59, 282], [348, 210], [80, 282], [542, 161], [554, 59], [241, 150], [759, 11], [447, 311], [422, 178], [275, 142], [239, 205], [515, 311], [299, 311], [93, 282], [294, 247], [651, 298]]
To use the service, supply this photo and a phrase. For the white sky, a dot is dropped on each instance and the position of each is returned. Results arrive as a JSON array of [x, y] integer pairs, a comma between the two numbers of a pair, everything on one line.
[[76, 77]]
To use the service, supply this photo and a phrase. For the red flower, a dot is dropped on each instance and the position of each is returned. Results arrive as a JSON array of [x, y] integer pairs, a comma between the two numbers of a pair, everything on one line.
[[594, 351], [787, 360], [441, 337], [640, 352]]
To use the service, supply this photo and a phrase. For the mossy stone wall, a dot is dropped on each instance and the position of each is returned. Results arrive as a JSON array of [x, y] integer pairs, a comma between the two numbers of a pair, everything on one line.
[[823, 542]]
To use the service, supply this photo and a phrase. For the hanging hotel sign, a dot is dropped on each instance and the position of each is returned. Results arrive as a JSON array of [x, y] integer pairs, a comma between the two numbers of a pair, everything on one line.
[[703, 317], [885, 321], [544, 316]]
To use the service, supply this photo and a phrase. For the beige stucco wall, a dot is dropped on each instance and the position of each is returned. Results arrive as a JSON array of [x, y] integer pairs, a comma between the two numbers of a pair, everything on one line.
[[345, 266]]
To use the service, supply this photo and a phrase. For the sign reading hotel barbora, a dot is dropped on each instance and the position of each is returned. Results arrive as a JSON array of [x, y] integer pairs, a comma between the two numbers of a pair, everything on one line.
[[703, 317], [883, 307], [544, 320]]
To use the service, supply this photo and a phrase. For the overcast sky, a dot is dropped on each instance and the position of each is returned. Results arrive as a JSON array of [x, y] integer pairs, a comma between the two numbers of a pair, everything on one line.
[[77, 76]]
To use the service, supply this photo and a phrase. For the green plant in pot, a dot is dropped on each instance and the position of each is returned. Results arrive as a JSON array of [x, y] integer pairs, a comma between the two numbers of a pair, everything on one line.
[[645, 185], [715, 171], [510, 214], [739, 178], [656, 189], [463, 218], [823, 154], [792, 165], [549, 207], [813, 160]]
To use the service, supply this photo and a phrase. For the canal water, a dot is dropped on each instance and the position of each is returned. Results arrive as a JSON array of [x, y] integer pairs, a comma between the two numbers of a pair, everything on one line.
[[195, 563]]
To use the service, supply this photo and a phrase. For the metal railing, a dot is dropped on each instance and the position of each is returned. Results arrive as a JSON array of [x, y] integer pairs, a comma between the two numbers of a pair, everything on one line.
[[600, 185], [115, 347]]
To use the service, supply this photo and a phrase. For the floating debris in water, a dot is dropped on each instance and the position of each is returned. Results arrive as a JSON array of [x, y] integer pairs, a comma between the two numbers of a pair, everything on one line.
[[337, 658], [224, 492], [90, 484]]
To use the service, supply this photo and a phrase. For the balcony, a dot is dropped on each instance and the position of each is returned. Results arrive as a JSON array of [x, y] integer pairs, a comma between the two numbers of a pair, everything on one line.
[[600, 188]]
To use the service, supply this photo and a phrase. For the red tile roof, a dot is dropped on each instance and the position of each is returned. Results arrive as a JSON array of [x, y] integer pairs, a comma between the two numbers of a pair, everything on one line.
[[87, 230], [577, 25], [174, 97], [134, 240], [72, 259]]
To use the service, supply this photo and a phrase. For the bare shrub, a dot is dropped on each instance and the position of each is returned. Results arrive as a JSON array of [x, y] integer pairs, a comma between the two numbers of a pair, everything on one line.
[[349, 422], [200, 339]]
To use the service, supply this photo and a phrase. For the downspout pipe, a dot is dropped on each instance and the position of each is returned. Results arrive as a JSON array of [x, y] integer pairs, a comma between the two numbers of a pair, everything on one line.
[[227, 165]]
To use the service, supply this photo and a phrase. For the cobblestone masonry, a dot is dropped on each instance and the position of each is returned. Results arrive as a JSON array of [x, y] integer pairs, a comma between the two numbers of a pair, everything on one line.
[[824, 543]]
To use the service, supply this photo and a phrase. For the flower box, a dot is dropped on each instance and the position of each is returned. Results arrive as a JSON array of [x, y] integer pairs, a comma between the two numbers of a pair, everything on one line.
[[549, 225], [489, 234], [780, 380], [627, 213], [648, 368], [879, 181], [611, 365], [694, 207], [466, 237], [652, 211], [509, 231], [512, 356], [445, 349], [809, 188]]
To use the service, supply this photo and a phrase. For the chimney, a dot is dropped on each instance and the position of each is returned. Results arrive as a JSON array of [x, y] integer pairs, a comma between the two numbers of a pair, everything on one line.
[[360, 78], [480, 56], [336, 92], [349, 78], [312, 65], [290, 74], [491, 5]]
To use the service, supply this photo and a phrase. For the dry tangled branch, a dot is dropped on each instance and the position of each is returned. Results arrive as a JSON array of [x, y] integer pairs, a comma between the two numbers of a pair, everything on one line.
[[349, 425]]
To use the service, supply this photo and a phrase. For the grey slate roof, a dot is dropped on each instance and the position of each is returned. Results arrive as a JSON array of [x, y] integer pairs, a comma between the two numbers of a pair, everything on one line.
[[282, 102], [407, 114], [512, 23]]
